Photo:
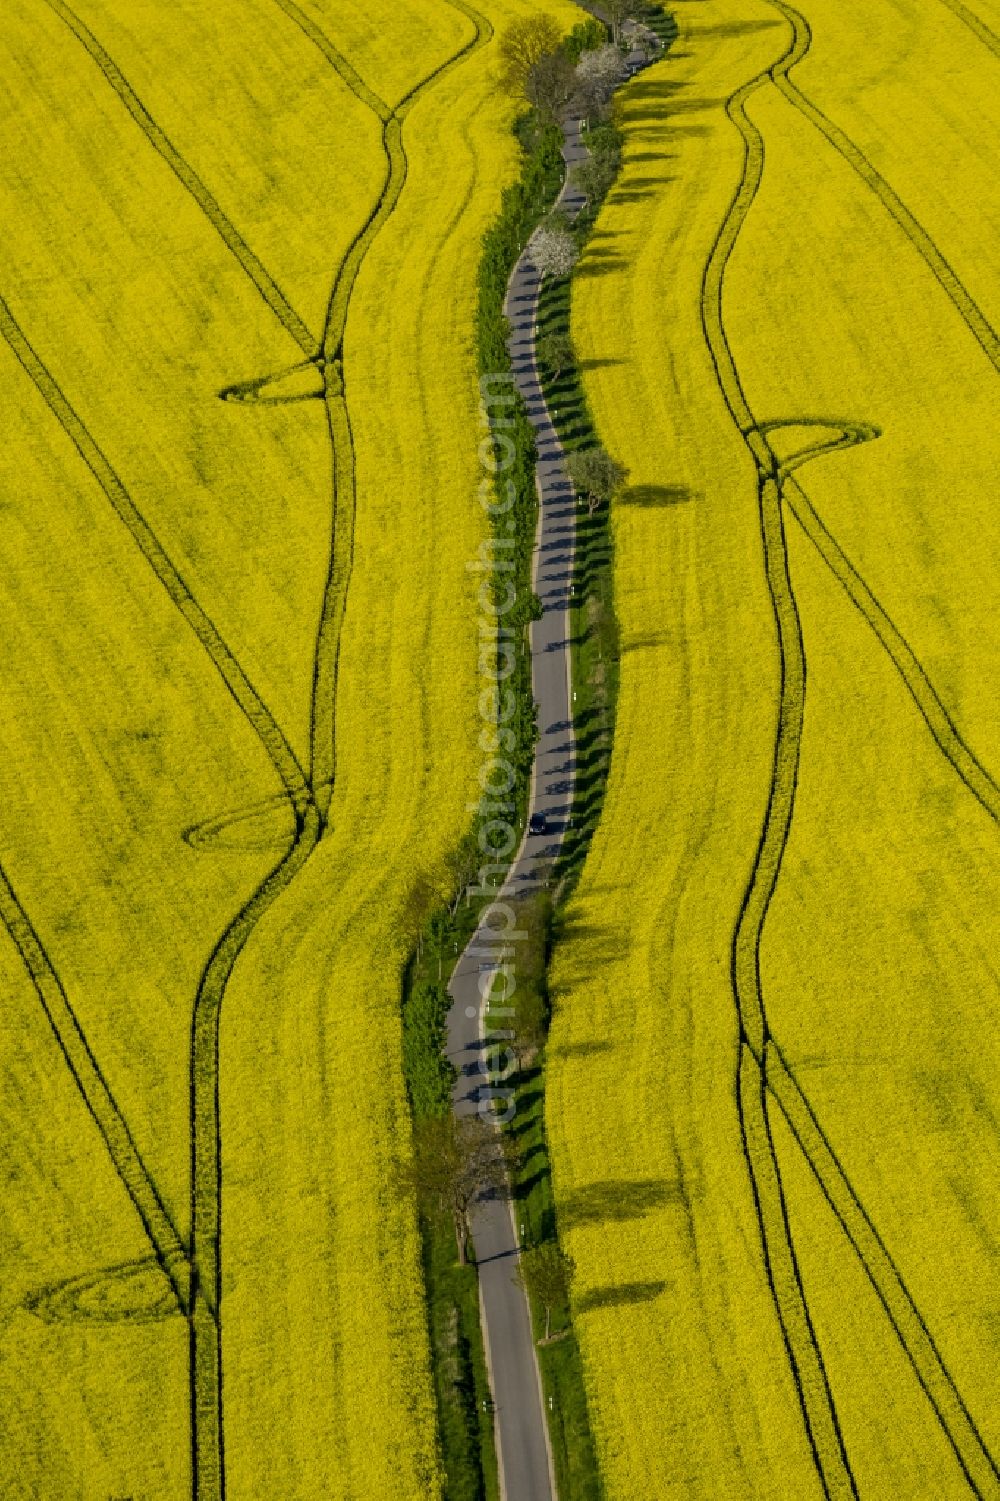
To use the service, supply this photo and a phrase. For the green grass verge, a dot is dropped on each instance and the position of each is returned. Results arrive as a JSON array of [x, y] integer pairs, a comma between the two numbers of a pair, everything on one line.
[[461, 1385], [458, 1357], [465, 1424]]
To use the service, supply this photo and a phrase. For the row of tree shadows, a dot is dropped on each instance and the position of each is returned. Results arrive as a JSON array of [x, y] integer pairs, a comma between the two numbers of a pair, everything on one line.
[[609, 1202], [592, 589]]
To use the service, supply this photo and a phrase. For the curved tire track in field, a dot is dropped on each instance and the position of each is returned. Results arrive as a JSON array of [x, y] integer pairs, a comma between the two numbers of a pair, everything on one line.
[[323, 753], [133, 1292], [762, 1070], [58, 1009], [205, 1323], [846, 434], [975, 319], [202, 1301], [258, 825], [781, 1266], [175, 1260]]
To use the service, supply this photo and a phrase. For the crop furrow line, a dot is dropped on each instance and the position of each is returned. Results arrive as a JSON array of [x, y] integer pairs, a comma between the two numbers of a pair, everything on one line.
[[255, 270], [945, 733], [902, 1312], [914, 231], [757, 1047], [780, 1262], [976, 26], [252, 706], [168, 1248]]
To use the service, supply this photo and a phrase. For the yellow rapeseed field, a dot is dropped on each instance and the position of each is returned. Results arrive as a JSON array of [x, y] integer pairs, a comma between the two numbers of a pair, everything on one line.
[[422, 36], [196, 982], [775, 1173]]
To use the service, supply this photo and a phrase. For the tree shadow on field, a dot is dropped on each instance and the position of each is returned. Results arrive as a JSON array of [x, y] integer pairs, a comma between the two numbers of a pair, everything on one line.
[[608, 264], [528, 1099], [734, 28], [655, 495], [617, 1201], [596, 944], [632, 195], [638, 116], [648, 642], [580, 1049], [525, 1185], [637, 181], [669, 97], [648, 88], [620, 1296]]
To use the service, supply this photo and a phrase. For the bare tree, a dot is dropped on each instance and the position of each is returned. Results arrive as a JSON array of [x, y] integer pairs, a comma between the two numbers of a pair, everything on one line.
[[596, 476], [617, 12], [547, 1273], [551, 84], [522, 43], [454, 1161]]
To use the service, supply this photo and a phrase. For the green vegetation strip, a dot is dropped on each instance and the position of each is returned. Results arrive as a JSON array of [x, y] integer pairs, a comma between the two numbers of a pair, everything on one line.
[[460, 1379]]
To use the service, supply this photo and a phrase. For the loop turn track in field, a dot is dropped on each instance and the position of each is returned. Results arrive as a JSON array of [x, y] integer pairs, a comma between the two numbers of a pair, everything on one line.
[[195, 1273], [762, 1069]]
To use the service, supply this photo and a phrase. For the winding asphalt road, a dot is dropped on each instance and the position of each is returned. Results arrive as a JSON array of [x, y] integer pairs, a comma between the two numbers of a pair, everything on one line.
[[526, 1472], [522, 1433]]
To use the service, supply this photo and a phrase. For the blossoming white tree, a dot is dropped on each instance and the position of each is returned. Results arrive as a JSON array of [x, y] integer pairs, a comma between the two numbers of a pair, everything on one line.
[[553, 251], [598, 74]]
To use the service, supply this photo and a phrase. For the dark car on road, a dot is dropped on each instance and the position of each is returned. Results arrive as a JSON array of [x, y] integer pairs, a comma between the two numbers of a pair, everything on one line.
[[538, 824]]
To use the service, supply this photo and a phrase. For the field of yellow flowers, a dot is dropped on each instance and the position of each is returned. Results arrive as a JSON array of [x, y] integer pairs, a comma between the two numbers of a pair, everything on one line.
[[233, 734], [772, 1089]]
